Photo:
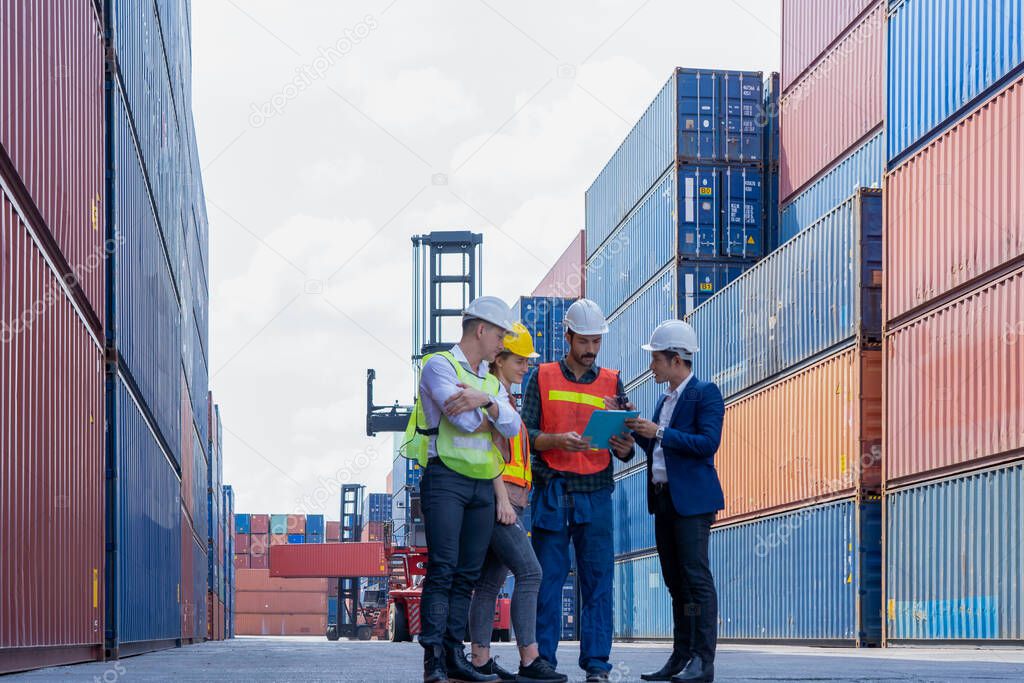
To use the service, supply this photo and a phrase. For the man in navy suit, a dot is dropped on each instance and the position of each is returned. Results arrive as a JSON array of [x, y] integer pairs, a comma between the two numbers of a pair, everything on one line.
[[683, 494]]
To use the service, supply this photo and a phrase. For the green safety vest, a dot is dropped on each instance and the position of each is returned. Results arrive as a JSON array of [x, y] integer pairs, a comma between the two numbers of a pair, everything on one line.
[[471, 455]]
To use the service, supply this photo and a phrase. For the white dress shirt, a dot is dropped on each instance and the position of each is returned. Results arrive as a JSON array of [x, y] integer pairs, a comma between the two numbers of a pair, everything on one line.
[[659, 473], [439, 382]]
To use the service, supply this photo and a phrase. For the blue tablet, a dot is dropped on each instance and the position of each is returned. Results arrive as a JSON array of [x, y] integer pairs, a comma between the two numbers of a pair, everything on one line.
[[604, 424]]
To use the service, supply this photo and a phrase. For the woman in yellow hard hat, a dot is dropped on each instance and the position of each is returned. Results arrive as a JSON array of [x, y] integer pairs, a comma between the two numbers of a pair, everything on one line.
[[510, 547]]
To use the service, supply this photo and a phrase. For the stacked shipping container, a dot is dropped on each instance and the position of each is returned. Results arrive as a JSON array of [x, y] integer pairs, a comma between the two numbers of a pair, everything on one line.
[[52, 309], [954, 305], [266, 606], [253, 534]]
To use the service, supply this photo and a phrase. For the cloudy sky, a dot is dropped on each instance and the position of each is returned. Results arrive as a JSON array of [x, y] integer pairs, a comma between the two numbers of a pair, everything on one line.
[[331, 132]]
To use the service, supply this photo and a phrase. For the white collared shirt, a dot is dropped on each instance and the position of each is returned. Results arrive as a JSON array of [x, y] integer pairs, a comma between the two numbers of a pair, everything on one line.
[[439, 382], [659, 473]]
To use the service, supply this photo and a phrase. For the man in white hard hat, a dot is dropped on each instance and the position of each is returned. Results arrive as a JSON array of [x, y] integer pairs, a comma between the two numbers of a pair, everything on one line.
[[683, 494], [461, 419], [572, 496]]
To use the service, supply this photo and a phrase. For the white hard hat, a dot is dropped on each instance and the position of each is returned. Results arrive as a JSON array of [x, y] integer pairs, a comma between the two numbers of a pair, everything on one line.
[[674, 335], [585, 317], [490, 309]]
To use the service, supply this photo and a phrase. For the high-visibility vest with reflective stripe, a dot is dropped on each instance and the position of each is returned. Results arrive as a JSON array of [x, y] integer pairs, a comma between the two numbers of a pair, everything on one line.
[[472, 455], [566, 406], [518, 470]]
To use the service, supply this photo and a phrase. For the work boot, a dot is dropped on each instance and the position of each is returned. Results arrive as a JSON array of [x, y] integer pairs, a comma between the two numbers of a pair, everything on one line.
[[696, 670], [433, 665], [461, 669], [491, 667], [674, 665], [540, 671]]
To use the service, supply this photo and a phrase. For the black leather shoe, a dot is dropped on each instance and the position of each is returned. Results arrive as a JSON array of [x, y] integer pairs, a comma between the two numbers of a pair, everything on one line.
[[491, 667], [676, 662], [696, 670], [461, 669], [433, 665]]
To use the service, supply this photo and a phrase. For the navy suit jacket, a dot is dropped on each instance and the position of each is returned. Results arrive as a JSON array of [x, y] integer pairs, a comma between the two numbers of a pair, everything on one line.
[[689, 443]]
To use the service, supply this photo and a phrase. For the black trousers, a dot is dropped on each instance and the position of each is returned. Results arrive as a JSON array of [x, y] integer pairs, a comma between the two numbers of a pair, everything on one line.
[[458, 514], [683, 550]]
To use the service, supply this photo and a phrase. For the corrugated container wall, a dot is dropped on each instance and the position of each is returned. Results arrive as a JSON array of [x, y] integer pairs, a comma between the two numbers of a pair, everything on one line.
[[51, 127], [955, 384], [565, 279], [953, 210], [932, 77], [809, 27], [954, 568], [815, 292], [146, 328], [863, 167], [699, 115], [147, 542], [328, 559], [621, 346], [834, 105], [51, 452], [815, 573]]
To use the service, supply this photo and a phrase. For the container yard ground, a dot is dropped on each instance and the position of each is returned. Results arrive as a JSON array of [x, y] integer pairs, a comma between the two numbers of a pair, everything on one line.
[[315, 659]]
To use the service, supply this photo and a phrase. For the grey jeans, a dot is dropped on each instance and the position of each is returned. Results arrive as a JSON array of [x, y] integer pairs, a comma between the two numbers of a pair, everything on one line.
[[510, 549]]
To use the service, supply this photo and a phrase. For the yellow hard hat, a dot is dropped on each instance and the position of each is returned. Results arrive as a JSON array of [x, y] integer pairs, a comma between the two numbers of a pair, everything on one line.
[[519, 342]]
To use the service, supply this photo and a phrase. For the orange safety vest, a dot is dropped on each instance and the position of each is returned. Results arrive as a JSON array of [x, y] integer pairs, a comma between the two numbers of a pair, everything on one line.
[[517, 470], [566, 407]]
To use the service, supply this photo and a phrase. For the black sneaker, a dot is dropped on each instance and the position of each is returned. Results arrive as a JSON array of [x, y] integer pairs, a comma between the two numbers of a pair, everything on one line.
[[540, 671], [597, 676], [491, 667]]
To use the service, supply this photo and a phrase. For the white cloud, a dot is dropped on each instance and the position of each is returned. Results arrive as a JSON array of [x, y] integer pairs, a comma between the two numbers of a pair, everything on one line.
[[419, 100]]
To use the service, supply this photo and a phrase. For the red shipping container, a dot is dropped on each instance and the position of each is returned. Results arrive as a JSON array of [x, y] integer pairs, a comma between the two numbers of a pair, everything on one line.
[[953, 210], [332, 588], [814, 435], [389, 486], [955, 385], [280, 624], [333, 532], [279, 602], [809, 27], [278, 539], [258, 544], [260, 580], [52, 458], [52, 127], [839, 102], [186, 589], [328, 559], [566, 277], [296, 524], [241, 561], [259, 524], [259, 561], [242, 543]]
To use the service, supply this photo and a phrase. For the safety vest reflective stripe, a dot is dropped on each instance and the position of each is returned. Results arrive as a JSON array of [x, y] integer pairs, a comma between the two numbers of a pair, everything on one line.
[[477, 444], [576, 397]]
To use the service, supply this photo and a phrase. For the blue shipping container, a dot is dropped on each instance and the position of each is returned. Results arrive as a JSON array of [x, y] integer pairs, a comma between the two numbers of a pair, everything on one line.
[[644, 394], [242, 524], [332, 610], [954, 568], [699, 116], [296, 538], [809, 575], [144, 316], [634, 527], [278, 524], [405, 473], [631, 327], [818, 290], [314, 538], [315, 525], [863, 167], [698, 281], [145, 551], [943, 57]]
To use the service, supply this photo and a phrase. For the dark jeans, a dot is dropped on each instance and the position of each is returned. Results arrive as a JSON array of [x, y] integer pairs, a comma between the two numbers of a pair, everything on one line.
[[683, 550], [458, 513], [588, 524], [510, 549]]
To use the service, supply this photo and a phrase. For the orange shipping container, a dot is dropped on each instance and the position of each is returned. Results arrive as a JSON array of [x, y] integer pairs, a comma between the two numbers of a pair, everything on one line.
[[955, 385], [953, 211], [296, 524], [260, 580], [389, 484], [814, 435], [278, 539], [333, 532], [279, 602], [258, 544], [281, 624]]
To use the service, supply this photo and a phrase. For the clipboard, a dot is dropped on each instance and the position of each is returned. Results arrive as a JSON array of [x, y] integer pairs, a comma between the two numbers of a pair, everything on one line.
[[604, 424]]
